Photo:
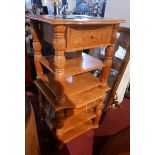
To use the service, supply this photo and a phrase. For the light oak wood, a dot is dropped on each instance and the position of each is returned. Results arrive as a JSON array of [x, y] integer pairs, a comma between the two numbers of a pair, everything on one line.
[[76, 101], [77, 120], [59, 59], [124, 33], [90, 37], [61, 38], [80, 83], [75, 65], [98, 113], [37, 47], [91, 96], [56, 20], [109, 51], [49, 96], [69, 87], [68, 136], [31, 137]]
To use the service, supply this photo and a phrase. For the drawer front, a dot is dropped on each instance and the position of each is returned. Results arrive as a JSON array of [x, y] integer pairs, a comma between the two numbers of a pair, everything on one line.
[[88, 37], [82, 109], [89, 106]]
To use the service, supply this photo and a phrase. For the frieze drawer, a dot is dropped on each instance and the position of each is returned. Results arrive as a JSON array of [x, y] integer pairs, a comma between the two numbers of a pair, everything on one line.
[[88, 37]]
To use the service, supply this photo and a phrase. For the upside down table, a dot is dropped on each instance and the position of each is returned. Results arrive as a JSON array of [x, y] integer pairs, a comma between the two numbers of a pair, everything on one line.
[[71, 98]]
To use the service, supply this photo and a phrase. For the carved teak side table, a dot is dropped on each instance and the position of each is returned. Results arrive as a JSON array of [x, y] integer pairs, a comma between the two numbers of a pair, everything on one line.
[[71, 98]]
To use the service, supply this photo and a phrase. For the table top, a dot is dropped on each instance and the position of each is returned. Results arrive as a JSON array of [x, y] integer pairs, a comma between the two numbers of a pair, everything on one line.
[[73, 19]]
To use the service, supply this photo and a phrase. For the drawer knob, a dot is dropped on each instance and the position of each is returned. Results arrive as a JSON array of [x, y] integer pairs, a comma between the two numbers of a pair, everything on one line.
[[93, 36]]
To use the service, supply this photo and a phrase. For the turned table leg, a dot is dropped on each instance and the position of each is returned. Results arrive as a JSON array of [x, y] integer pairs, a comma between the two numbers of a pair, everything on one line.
[[98, 112], [108, 63], [59, 60], [37, 47], [109, 51], [60, 116]]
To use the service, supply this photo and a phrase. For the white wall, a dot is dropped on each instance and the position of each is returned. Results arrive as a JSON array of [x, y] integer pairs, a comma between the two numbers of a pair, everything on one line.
[[71, 5], [118, 9]]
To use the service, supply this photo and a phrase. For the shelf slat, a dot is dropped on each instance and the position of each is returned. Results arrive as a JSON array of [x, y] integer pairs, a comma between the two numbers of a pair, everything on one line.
[[76, 120], [88, 96], [49, 96], [79, 130], [79, 84], [75, 101], [74, 66]]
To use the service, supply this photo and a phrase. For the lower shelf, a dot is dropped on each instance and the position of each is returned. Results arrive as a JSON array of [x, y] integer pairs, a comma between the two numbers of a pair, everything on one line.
[[79, 130], [79, 84], [74, 66], [85, 89], [49, 96], [77, 101], [88, 96], [75, 121]]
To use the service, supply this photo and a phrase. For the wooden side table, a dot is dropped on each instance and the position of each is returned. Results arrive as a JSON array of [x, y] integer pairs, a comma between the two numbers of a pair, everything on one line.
[[75, 96]]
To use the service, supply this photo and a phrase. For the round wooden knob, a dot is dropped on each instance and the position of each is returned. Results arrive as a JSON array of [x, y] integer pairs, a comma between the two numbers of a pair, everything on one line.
[[93, 36]]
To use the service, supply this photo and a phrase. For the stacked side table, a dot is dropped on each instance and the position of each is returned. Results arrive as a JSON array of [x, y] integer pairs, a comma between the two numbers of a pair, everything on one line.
[[71, 98]]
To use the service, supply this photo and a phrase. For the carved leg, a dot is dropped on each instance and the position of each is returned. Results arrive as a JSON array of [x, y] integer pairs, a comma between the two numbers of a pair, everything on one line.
[[37, 48], [98, 113], [59, 60], [59, 124], [108, 57], [108, 63]]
